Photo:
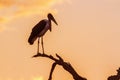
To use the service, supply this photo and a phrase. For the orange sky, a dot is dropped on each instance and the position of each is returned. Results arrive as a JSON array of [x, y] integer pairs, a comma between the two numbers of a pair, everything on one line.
[[88, 36]]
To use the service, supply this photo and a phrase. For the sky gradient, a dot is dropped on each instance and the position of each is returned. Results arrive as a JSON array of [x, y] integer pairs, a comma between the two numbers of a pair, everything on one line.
[[87, 36]]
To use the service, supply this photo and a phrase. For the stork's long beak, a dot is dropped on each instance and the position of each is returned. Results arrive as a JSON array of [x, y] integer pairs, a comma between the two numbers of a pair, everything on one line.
[[53, 19], [50, 17]]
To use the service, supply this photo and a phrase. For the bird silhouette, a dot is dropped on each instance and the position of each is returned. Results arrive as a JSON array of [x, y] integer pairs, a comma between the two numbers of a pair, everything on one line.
[[40, 29]]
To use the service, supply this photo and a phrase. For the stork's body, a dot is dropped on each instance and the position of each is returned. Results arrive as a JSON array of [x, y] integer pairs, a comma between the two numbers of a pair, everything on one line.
[[40, 29]]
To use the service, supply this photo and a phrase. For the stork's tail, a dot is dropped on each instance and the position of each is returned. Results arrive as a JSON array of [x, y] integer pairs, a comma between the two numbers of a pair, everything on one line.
[[31, 39]]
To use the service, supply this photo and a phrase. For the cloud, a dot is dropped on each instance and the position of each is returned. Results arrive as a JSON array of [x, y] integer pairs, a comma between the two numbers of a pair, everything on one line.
[[10, 9], [16, 7], [27, 2]]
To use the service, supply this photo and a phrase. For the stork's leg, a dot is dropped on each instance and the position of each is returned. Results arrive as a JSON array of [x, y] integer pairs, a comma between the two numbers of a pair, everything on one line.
[[38, 45], [42, 44]]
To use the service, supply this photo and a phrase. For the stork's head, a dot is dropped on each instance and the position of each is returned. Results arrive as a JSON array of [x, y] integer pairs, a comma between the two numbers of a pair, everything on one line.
[[50, 17]]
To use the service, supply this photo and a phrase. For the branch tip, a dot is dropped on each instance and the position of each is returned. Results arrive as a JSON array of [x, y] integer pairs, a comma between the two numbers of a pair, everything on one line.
[[59, 57]]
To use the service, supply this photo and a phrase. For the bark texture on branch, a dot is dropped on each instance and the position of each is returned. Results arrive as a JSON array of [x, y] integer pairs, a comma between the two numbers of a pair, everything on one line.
[[59, 61]]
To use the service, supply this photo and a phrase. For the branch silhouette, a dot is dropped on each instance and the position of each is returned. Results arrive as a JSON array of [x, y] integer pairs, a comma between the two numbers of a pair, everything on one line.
[[59, 61], [115, 77]]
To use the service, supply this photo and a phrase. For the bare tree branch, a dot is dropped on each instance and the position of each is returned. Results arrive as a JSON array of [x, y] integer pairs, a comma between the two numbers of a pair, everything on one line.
[[67, 66], [45, 55], [52, 69]]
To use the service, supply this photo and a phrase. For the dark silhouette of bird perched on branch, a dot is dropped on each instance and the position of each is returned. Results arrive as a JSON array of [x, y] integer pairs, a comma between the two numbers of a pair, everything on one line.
[[40, 29]]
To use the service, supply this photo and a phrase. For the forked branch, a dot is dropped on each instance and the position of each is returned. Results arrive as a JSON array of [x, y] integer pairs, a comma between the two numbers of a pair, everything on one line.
[[59, 61]]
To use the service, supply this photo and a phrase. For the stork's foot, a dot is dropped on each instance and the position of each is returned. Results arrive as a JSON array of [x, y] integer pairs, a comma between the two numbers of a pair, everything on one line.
[[38, 54], [43, 53]]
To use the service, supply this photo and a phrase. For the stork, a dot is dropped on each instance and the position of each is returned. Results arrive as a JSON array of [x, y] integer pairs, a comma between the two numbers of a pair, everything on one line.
[[40, 29]]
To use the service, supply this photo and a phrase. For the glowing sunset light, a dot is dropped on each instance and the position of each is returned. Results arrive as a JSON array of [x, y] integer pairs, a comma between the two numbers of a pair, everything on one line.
[[38, 78], [88, 36]]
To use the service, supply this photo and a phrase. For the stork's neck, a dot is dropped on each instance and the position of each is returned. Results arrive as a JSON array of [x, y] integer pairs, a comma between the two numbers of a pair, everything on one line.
[[49, 22]]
